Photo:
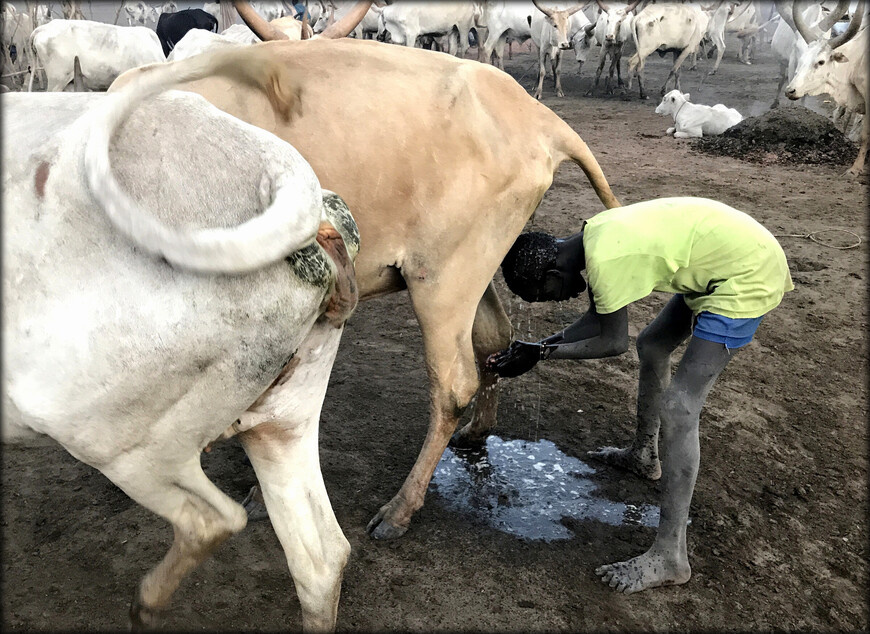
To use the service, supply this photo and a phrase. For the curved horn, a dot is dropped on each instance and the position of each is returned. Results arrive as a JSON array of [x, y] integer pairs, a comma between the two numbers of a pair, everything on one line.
[[304, 35], [833, 17], [257, 24], [631, 7], [854, 25], [574, 10], [801, 25], [348, 23], [542, 9], [589, 28], [784, 11], [602, 6]]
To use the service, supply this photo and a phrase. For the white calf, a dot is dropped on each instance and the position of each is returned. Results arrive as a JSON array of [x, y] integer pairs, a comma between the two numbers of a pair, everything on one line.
[[134, 338], [696, 120]]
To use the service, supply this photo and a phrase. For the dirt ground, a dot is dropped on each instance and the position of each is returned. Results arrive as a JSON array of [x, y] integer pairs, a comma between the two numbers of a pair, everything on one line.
[[778, 536]]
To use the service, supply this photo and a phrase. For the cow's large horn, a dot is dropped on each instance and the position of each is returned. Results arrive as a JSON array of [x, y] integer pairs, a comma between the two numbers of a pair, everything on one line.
[[589, 28], [834, 16], [543, 9], [257, 24], [348, 23], [574, 10], [797, 16], [631, 7], [784, 10], [602, 6], [304, 35], [854, 25]]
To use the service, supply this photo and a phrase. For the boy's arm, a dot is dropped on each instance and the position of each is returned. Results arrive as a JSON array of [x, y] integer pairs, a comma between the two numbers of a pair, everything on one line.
[[593, 336]]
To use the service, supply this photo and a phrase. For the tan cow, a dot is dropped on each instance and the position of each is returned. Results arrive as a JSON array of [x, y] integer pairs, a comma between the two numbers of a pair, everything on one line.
[[442, 160]]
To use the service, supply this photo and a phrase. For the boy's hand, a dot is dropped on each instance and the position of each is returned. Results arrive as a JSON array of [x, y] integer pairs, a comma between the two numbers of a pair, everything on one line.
[[518, 359]]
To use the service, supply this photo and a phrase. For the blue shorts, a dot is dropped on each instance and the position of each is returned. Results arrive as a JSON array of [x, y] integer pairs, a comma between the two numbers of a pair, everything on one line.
[[734, 333]]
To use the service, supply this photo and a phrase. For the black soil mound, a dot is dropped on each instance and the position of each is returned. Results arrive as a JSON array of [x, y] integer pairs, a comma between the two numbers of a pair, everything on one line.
[[784, 135]]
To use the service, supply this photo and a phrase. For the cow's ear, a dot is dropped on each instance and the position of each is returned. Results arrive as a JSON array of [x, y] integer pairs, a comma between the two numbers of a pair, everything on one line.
[[686, 96], [839, 57]]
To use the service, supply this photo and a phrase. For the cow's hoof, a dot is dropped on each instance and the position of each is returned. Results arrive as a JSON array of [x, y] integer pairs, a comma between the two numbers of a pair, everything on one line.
[[380, 528], [255, 505], [142, 617], [711, 73], [464, 440], [588, 93]]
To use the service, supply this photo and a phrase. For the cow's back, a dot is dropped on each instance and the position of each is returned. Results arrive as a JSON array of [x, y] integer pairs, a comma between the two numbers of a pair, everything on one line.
[[479, 126]]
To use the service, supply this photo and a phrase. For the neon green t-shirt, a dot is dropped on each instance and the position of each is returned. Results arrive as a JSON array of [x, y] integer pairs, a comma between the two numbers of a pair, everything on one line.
[[719, 258]]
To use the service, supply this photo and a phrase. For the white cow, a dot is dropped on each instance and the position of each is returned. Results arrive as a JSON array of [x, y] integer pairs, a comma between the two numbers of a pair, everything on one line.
[[172, 297], [16, 30], [788, 47], [503, 20], [104, 51], [693, 120], [406, 21], [837, 67], [670, 27], [613, 29], [552, 30]]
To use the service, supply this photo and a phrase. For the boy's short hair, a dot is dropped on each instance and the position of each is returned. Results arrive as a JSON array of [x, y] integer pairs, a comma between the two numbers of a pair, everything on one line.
[[524, 266]]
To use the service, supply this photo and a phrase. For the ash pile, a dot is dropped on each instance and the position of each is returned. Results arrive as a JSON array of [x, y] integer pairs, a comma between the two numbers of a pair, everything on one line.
[[785, 136]]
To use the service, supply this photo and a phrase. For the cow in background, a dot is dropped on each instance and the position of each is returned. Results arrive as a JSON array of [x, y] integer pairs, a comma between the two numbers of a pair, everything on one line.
[[552, 32], [837, 67], [104, 51], [674, 28], [613, 29], [171, 27]]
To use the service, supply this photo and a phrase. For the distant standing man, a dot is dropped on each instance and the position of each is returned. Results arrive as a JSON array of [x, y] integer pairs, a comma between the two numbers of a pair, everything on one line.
[[726, 270]]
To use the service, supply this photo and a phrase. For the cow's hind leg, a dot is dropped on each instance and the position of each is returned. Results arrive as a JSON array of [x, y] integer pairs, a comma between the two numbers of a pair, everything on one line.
[[202, 517], [446, 314], [282, 446], [492, 332]]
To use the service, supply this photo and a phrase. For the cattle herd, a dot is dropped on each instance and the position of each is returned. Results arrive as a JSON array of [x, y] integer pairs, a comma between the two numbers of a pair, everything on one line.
[[150, 311]]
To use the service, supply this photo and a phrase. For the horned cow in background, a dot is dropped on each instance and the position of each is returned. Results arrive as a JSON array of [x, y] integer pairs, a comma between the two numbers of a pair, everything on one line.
[[674, 28], [837, 67]]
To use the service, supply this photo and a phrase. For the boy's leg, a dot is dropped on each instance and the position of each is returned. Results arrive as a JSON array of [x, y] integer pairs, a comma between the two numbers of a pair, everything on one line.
[[654, 347], [666, 562]]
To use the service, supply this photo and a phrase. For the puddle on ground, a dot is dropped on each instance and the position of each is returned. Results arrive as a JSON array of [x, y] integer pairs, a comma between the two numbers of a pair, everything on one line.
[[525, 488]]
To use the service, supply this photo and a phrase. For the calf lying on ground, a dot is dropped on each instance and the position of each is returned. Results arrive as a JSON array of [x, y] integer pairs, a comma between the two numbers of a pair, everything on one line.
[[193, 276], [696, 120]]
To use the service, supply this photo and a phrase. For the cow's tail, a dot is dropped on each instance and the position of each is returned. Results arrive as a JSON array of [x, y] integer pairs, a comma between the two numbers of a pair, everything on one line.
[[577, 150], [34, 58], [286, 225]]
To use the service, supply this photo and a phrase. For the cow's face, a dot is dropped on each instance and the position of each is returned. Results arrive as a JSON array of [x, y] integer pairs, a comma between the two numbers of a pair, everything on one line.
[[613, 24], [818, 67], [671, 102], [560, 21]]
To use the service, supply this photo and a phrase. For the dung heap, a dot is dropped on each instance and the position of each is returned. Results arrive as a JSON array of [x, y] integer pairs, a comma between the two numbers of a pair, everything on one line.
[[785, 135]]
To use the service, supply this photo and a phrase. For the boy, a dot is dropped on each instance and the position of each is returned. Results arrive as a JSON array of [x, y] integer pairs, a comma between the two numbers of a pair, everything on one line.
[[727, 272]]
